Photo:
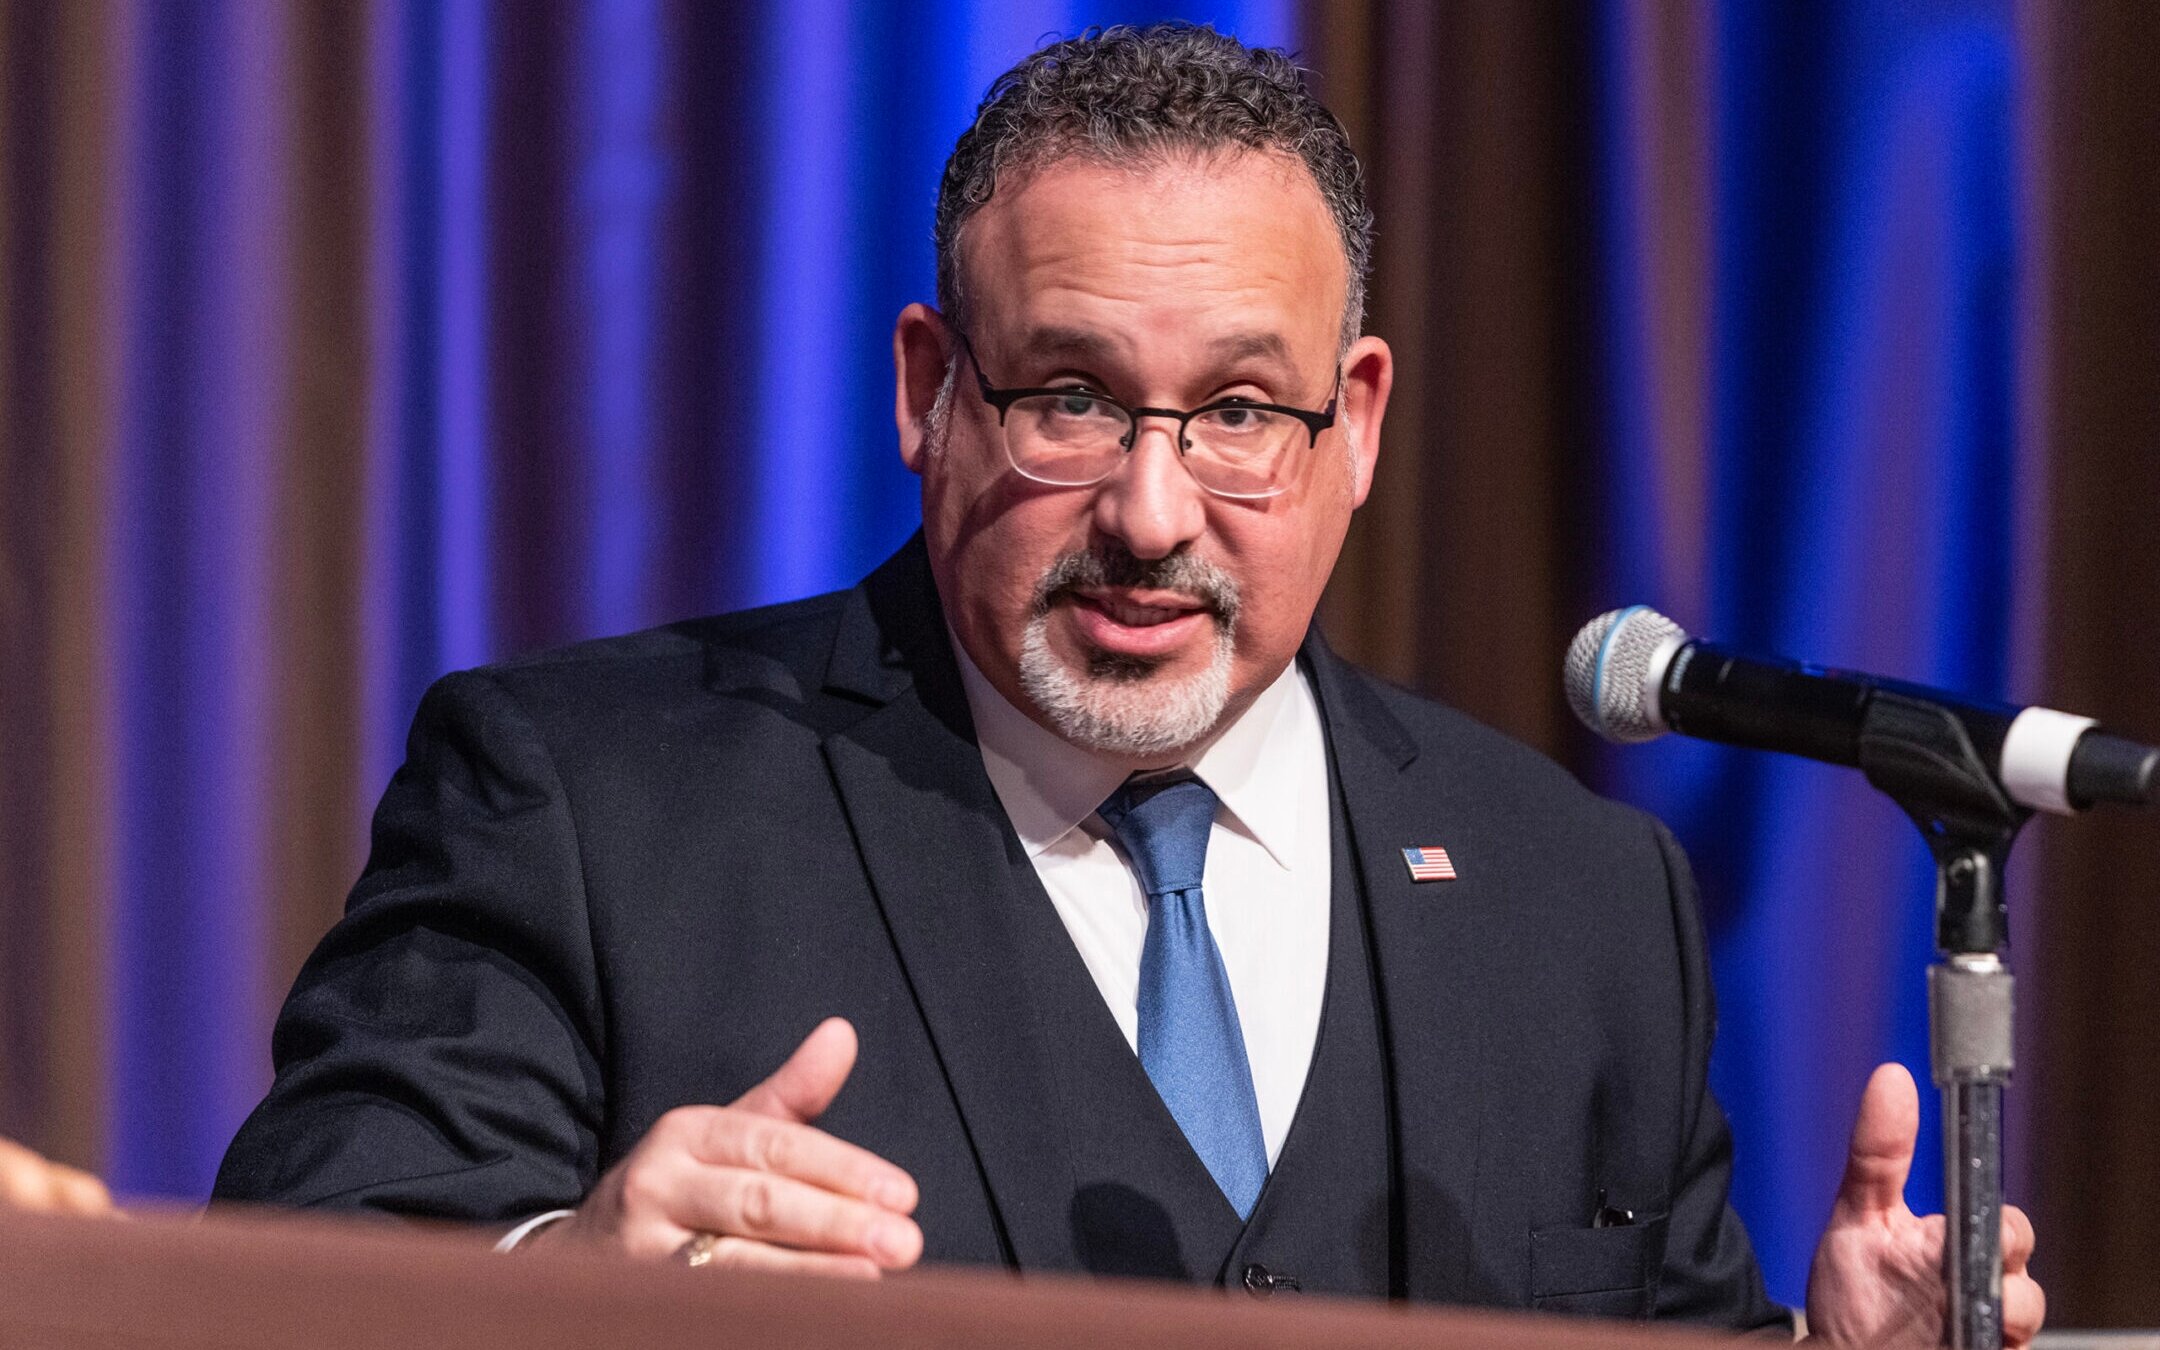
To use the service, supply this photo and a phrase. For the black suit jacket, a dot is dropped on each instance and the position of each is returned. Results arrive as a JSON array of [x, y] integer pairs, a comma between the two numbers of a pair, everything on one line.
[[631, 875]]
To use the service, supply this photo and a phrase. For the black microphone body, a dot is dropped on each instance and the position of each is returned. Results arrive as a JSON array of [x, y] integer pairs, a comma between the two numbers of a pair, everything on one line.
[[1716, 694], [1633, 674]]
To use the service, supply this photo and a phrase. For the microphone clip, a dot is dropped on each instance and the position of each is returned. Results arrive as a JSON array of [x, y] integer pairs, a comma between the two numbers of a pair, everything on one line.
[[1920, 755]]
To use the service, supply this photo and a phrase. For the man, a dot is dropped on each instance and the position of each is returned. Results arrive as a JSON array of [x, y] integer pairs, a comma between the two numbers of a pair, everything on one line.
[[1128, 894]]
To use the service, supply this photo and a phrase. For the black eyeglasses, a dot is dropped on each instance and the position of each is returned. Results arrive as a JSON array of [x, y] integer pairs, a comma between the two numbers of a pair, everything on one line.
[[1074, 437]]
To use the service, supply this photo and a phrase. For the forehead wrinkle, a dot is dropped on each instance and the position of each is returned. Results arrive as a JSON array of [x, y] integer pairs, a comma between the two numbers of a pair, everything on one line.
[[1080, 343], [1152, 242], [1127, 272], [1062, 340], [1108, 272], [1088, 348]]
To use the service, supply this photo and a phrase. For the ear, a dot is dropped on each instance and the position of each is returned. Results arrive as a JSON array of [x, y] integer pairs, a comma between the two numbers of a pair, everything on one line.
[[919, 361], [1368, 376]]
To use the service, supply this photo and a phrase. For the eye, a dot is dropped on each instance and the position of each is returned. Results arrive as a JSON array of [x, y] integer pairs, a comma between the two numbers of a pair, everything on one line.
[[1076, 403], [1240, 420]]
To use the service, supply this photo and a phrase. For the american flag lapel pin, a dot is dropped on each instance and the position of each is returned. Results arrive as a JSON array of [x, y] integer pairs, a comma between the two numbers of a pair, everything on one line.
[[1430, 863]]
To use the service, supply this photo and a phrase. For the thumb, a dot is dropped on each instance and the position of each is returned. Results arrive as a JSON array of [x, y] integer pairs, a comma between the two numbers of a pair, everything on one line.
[[802, 1088], [1882, 1145]]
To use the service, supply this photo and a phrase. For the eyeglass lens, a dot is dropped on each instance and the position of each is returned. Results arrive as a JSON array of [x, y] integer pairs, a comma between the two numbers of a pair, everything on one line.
[[1075, 439]]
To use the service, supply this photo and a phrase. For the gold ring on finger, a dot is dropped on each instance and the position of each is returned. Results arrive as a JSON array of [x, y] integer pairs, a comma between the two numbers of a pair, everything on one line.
[[698, 1251]]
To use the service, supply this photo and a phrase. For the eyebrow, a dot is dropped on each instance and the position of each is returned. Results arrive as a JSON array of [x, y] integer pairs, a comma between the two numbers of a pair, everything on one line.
[[1077, 343], [1089, 347], [1235, 347]]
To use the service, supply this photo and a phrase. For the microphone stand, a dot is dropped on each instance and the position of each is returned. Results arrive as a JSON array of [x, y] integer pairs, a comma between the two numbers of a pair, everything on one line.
[[1922, 757]]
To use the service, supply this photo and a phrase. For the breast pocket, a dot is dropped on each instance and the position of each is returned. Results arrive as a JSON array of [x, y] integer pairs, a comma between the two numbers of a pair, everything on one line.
[[1597, 1272]]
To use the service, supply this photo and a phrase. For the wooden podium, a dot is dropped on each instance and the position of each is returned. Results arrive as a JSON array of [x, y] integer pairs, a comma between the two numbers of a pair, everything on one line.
[[251, 1283]]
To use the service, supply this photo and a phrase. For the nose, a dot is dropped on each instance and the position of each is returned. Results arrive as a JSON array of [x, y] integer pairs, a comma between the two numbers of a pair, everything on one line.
[[1151, 503]]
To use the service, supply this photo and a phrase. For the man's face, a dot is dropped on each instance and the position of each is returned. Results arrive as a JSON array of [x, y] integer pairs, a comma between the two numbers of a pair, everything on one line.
[[1138, 614]]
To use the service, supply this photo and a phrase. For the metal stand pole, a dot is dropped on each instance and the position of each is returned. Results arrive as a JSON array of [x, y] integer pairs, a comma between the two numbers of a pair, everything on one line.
[[1969, 1019], [1924, 761]]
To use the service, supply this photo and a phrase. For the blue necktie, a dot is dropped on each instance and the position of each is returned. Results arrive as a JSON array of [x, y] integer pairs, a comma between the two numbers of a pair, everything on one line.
[[1190, 1041]]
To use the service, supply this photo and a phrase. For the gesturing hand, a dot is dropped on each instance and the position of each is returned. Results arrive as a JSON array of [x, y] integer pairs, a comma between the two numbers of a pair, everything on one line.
[[1878, 1273], [28, 1181], [780, 1194]]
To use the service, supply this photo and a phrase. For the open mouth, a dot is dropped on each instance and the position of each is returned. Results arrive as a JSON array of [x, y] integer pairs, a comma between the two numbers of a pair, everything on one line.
[[1137, 623]]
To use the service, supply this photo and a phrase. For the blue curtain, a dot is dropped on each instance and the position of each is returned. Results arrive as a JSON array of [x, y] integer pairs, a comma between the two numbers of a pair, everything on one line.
[[1853, 500], [624, 272], [628, 279]]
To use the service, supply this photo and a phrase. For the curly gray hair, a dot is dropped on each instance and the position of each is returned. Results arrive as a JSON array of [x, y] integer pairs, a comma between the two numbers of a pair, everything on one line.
[[1124, 95]]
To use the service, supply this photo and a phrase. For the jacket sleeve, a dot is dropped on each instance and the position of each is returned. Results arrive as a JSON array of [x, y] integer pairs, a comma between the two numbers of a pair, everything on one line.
[[1710, 1274], [440, 1053]]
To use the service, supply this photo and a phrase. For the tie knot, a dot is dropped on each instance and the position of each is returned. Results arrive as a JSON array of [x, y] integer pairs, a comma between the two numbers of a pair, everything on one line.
[[1163, 824]]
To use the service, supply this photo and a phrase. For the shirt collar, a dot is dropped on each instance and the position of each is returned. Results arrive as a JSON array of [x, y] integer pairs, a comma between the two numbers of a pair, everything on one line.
[[1049, 786]]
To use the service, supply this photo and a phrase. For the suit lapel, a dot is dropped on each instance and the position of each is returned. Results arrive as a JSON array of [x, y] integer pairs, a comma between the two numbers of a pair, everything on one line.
[[1427, 972], [940, 858]]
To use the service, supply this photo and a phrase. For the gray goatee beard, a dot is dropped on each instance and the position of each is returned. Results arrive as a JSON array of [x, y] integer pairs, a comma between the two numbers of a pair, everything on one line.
[[1124, 705]]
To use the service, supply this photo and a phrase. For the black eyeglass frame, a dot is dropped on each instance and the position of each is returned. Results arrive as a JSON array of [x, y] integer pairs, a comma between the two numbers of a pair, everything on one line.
[[1003, 399]]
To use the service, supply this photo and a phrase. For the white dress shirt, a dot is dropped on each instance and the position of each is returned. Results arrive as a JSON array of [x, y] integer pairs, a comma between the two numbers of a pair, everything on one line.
[[1267, 877]]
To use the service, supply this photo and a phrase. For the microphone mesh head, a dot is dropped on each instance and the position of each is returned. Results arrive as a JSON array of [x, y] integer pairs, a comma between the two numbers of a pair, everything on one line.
[[1608, 672]]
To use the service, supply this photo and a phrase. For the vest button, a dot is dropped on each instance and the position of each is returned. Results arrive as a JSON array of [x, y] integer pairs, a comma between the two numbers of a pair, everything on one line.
[[1261, 1282]]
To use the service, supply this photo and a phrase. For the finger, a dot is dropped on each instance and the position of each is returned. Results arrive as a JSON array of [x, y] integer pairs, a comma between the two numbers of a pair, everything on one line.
[[802, 1088], [743, 1254], [77, 1192], [26, 1179], [788, 1213], [1882, 1145], [762, 1144], [30, 1181], [2024, 1308], [2017, 1240], [25, 1189]]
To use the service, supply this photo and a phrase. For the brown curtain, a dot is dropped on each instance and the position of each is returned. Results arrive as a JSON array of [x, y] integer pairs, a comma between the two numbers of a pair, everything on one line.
[[2094, 142], [1464, 577], [56, 134], [1472, 565], [1467, 573], [1459, 565], [63, 286]]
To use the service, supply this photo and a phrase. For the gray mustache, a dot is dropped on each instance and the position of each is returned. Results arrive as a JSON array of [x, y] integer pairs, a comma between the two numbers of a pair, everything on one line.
[[1180, 572]]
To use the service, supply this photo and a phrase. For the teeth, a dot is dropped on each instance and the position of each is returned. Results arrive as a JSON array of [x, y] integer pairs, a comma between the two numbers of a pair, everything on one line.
[[1139, 616]]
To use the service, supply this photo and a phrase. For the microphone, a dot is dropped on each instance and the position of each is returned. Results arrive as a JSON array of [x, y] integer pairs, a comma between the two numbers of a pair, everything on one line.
[[1633, 675]]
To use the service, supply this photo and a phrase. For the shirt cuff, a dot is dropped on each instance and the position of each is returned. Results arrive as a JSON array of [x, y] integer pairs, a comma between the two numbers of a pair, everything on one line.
[[511, 1239]]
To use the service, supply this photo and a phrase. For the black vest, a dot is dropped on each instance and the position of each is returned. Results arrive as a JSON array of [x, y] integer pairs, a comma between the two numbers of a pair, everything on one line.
[[1143, 1203]]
